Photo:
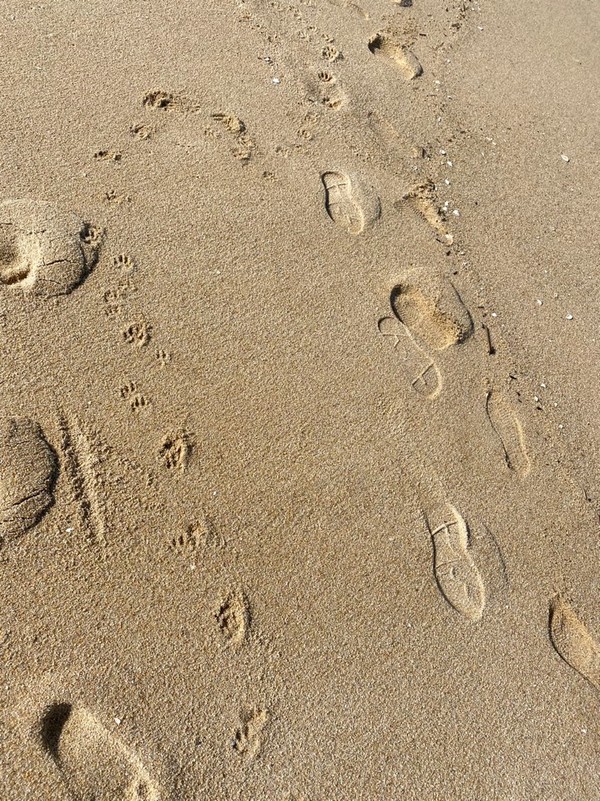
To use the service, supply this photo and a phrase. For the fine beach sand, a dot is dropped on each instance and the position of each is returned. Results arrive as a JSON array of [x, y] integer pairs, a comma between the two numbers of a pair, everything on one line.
[[299, 387]]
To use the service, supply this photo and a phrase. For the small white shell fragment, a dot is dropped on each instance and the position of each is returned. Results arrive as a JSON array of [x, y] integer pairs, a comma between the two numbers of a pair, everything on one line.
[[564, 157]]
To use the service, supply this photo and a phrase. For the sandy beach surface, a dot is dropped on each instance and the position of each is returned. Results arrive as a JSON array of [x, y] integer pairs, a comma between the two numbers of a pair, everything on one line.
[[299, 446]]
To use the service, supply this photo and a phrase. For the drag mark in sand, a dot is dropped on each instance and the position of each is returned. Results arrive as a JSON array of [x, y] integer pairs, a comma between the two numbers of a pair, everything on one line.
[[456, 574], [573, 642], [509, 431], [93, 763], [82, 467]]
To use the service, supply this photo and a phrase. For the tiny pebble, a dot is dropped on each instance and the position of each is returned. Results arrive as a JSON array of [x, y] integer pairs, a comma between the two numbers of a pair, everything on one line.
[[569, 316], [456, 213], [539, 302], [494, 314], [560, 425], [69, 529], [449, 163], [442, 152], [118, 721], [447, 182], [275, 80], [564, 157], [543, 386]]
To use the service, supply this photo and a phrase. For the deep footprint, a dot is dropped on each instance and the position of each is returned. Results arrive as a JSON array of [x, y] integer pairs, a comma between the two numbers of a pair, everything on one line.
[[349, 203], [28, 469], [426, 378], [455, 571], [400, 55], [573, 642], [431, 309], [94, 764], [44, 251]]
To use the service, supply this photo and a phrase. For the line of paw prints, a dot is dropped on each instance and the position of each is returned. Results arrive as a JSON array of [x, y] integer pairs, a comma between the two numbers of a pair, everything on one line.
[[138, 333]]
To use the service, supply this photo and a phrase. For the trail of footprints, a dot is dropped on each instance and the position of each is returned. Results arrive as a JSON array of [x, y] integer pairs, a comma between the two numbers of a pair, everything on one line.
[[47, 253]]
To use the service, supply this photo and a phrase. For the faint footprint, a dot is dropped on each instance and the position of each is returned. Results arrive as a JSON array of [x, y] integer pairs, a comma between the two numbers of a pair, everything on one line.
[[28, 470], [94, 764], [44, 251], [176, 450], [399, 54], [457, 576], [349, 203], [431, 308], [233, 617], [159, 100], [573, 642], [247, 738], [510, 433], [426, 378]]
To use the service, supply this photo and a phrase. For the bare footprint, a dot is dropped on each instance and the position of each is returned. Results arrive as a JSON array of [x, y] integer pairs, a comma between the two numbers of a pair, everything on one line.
[[247, 738], [431, 309], [510, 433], [426, 378], [573, 642], [44, 251], [349, 202], [28, 469], [94, 764], [422, 199], [400, 55], [455, 571]]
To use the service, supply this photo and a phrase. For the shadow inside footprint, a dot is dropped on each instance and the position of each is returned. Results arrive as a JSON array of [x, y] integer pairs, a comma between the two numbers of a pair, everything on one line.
[[432, 310], [95, 765]]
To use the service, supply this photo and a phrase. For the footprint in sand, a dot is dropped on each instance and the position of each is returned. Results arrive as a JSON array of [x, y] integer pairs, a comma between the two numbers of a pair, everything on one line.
[[28, 470], [94, 764], [400, 55], [426, 378], [247, 738], [455, 571], [349, 202], [510, 433], [573, 642], [233, 618], [421, 197], [431, 309], [44, 251]]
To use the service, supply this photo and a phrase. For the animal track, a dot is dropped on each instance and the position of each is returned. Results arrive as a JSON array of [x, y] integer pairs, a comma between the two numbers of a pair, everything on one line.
[[176, 450], [124, 262], [244, 146], [331, 54], [349, 203], [431, 308], [159, 100], [107, 155], [510, 433], [457, 576], [399, 54], [137, 402], [139, 334], [197, 534], [426, 378], [82, 463], [163, 357], [28, 471], [92, 762], [44, 251], [573, 642], [422, 198], [141, 131], [233, 618], [247, 738]]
